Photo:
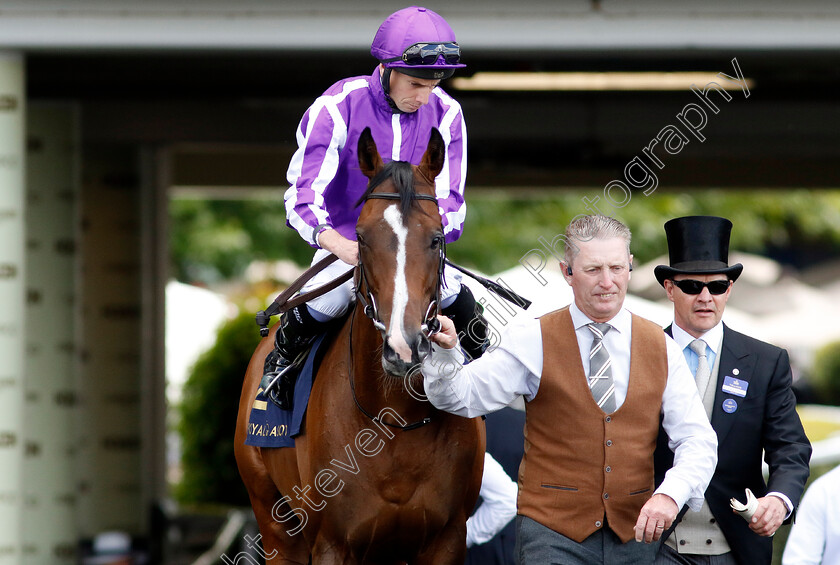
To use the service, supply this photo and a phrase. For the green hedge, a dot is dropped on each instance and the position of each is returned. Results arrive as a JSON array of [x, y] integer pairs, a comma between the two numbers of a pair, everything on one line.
[[207, 417], [212, 241], [825, 374]]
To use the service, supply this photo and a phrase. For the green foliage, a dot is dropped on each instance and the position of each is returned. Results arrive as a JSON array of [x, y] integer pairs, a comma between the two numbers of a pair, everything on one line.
[[208, 417], [825, 373], [215, 240], [502, 226]]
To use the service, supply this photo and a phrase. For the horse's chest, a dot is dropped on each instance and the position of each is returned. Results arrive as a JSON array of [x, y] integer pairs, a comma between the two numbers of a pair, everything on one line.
[[400, 493], [400, 529]]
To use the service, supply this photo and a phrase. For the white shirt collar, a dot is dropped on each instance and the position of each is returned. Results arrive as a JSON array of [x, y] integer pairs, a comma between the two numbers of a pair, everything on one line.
[[621, 322], [713, 337]]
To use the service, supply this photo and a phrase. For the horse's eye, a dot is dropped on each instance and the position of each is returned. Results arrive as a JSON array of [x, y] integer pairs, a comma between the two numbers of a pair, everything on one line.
[[359, 239], [437, 241]]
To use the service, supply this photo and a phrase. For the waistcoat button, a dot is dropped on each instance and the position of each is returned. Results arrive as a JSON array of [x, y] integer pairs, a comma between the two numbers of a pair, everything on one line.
[[608, 469]]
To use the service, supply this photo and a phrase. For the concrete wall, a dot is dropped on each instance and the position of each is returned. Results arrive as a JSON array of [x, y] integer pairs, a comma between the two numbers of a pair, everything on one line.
[[493, 25]]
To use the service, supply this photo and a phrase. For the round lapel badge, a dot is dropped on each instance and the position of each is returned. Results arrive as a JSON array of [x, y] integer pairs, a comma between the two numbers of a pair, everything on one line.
[[729, 406]]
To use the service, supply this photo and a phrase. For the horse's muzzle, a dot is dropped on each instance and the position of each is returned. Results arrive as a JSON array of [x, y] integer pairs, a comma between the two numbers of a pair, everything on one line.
[[412, 354]]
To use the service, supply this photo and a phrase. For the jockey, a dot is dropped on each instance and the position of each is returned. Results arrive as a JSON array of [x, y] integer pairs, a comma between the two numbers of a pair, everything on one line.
[[400, 102]]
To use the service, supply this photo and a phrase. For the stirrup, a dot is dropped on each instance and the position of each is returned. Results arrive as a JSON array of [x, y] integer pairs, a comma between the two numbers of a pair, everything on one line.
[[275, 378], [280, 393]]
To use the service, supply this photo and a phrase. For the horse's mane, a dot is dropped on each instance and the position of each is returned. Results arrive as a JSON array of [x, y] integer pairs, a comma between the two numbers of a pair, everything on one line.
[[403, 177]]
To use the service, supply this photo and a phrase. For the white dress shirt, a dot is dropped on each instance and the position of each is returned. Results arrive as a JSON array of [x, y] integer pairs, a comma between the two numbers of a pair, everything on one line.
[[514, 367], [498, 503], [815, 536]]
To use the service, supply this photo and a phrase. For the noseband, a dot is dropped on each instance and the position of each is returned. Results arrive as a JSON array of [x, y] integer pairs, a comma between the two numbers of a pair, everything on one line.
[[430, 325]]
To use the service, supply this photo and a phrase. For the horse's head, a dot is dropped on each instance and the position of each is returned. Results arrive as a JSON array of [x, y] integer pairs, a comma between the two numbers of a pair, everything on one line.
[[400, 251]]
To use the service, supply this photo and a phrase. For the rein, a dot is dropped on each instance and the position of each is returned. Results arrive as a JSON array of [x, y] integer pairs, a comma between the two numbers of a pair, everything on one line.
[[361, 408], [284, 302]]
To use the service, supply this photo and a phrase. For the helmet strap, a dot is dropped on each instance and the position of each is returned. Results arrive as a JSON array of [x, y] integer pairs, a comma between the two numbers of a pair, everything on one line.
[[385, 79]]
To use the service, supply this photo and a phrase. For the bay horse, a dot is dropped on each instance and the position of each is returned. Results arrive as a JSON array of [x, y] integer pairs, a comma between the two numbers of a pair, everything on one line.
[[378, 475]]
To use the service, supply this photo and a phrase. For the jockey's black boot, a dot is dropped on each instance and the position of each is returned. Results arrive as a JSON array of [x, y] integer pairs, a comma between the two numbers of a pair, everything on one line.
[[468, 317], [297, 330]]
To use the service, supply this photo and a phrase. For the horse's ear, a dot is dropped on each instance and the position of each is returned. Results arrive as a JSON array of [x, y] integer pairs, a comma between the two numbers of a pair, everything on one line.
[[369, 160], [435, 155]]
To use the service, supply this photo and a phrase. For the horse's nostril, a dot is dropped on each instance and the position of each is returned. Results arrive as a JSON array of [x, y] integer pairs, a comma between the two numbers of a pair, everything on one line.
[[389, 353], [424, 347]]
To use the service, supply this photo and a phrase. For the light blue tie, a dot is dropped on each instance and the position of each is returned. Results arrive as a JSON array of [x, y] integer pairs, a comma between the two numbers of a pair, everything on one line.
[[701, 376]]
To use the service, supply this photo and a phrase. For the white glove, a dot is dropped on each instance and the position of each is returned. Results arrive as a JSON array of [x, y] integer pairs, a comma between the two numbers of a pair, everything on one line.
[[745, 510]]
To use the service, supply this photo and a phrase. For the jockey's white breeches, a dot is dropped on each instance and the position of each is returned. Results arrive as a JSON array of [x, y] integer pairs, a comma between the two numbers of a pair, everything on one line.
[[336, 302]]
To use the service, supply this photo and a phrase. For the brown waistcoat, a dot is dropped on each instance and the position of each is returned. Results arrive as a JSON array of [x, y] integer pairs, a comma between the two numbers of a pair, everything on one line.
[[581, 464]]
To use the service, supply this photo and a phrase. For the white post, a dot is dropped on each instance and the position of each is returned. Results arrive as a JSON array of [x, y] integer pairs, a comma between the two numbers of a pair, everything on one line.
[[12, 300], [109, 416], [49, 480]]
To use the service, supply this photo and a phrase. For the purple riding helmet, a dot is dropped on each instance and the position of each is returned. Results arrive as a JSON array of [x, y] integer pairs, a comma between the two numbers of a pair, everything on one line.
[[418, 42]]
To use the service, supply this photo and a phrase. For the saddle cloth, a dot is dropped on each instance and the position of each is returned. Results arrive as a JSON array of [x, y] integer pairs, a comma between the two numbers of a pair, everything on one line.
[[269, 425]]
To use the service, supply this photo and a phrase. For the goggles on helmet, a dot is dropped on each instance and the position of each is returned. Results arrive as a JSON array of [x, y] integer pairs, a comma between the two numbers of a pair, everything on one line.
[[428, 53]]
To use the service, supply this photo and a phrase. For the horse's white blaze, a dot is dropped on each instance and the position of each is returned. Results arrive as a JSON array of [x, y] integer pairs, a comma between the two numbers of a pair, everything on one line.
[[396, 339]]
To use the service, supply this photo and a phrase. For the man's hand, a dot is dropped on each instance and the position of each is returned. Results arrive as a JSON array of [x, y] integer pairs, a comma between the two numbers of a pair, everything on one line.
[[769, 516], [340, 246], [447, 337], [656, 516]]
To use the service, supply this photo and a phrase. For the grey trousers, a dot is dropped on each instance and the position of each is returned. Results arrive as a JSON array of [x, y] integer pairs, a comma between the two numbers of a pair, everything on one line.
[[539, 545], [668, 556]]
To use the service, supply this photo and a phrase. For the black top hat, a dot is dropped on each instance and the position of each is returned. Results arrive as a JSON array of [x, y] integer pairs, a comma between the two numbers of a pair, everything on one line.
[[698, 245]]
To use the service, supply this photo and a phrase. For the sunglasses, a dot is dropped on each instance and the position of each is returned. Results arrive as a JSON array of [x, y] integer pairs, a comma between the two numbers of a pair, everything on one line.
[[691, 286], [428, 53]]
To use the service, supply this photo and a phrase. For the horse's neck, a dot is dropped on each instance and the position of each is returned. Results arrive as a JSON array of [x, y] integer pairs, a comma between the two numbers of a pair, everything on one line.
[[376, 390]]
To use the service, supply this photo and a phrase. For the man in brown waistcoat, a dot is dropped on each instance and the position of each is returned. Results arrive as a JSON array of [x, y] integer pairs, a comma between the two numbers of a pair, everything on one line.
[[596, 380], [745, 385]]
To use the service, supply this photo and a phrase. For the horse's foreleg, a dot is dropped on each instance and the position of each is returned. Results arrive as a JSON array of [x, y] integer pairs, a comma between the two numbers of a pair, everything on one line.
[[282, 541], [449, 548], [328, 553]]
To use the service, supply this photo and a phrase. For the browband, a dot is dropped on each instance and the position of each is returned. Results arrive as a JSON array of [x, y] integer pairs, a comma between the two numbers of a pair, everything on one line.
[[395, 196]]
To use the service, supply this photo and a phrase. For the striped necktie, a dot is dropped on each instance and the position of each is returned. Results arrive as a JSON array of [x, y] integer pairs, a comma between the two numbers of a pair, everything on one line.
[[600, 369], [701, 376]]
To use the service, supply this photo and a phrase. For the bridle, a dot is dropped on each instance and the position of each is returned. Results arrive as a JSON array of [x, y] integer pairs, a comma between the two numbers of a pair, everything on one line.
[[430, 326]]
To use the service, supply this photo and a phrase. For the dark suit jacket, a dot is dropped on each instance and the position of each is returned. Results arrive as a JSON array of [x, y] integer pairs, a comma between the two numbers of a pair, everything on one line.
[[506, 443], [765, 419]]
